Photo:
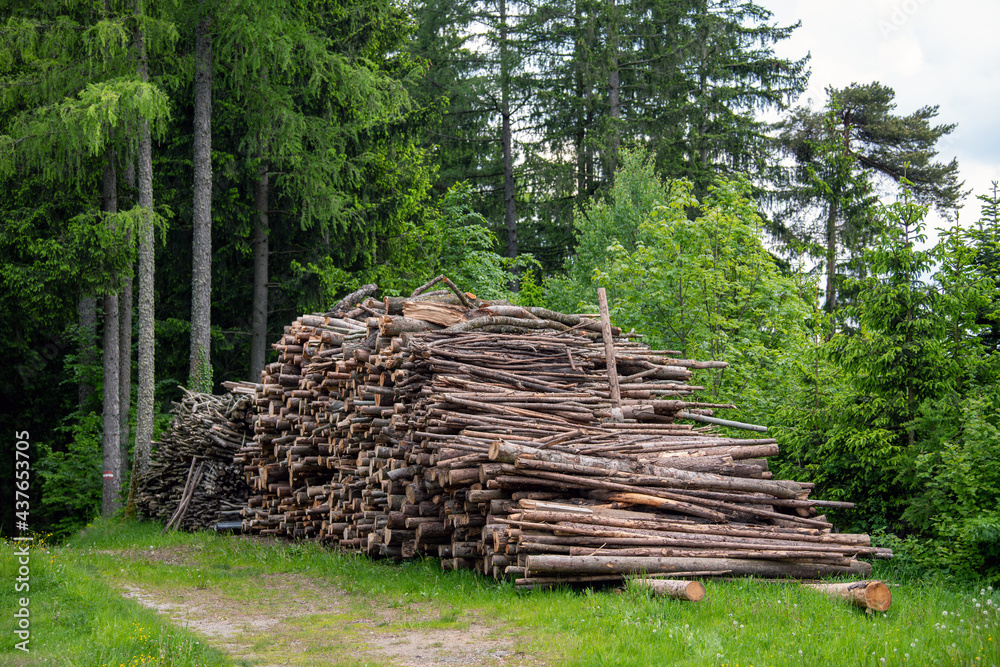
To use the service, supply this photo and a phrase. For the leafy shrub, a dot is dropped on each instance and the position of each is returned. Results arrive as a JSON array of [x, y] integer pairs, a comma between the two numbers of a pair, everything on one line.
[[71, 479]]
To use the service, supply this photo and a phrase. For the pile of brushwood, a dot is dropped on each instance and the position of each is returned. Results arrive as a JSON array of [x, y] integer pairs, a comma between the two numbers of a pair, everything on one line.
[[525, 443], [192, 482]]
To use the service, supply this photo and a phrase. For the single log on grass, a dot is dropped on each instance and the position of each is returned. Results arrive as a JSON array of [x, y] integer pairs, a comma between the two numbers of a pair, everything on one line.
[[692, 591], [869, 595]]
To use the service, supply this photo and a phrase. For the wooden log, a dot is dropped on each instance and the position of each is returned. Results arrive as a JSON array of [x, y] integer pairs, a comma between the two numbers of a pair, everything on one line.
[[721, 422], [869, 595], [588, 565], [692, 591]]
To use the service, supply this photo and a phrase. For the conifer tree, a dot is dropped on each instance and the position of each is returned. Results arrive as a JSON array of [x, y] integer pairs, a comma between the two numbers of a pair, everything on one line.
[[843, 154], [77, 91]]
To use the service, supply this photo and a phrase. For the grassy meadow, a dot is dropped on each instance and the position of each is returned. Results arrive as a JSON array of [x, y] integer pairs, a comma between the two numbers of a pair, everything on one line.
[[80, 617]]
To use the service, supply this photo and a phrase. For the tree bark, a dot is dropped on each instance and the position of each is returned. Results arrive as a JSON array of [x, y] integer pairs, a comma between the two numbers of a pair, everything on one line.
[[544, 563], [507, 139], [258, 338], [581, 116], [111, 446], [614, 91], [199, 373], [125, 365], [609, 350], [144, 418], [831, 258]]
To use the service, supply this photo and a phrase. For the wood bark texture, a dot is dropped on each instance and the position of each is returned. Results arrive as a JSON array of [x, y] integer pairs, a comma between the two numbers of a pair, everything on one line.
[[201, 245]]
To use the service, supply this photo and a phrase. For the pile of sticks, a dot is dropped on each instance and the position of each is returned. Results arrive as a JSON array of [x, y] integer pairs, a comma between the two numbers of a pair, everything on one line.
[[192, 481], [524, 443]]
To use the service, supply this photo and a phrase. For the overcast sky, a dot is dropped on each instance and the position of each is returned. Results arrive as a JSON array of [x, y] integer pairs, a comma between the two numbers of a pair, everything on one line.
[[943, 52]]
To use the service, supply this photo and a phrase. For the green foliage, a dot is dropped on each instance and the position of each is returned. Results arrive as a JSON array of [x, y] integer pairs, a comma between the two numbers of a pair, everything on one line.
[[57, 138], [604, 221], [906, 426], [531, 291], [706, 287], [956, 485], [841, 155], [71, 480], [984, 240], [451, 239], [898, 354]]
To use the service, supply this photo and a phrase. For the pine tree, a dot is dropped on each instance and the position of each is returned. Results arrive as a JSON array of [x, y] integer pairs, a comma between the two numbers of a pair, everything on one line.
[[843, 155]]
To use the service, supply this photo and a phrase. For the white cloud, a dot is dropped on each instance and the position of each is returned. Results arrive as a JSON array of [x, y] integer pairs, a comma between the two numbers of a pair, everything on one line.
[[902, 55], [931, 52]]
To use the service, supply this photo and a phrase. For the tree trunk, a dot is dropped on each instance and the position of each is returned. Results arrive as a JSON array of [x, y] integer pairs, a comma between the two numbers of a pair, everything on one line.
[[614, 91], [144, 418], [507, 140], [581, 116], [258, 339], [87, 312], [125, 305], [831, 258], [125, 366], [199, 374], [111, 447]]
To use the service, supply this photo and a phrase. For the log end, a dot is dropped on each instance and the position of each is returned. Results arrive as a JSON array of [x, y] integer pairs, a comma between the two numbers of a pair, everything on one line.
[[695, 591], [878, 597]]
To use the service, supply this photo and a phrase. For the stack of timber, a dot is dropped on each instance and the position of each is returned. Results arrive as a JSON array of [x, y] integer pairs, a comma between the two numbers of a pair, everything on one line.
[[493, 437], [192, 481]]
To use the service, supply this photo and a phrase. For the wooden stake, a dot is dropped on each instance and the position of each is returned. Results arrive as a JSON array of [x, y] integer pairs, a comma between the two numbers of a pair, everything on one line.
[[609, 348]]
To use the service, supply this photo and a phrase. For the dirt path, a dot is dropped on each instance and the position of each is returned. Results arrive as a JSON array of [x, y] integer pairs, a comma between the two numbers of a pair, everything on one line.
[[293, 619]]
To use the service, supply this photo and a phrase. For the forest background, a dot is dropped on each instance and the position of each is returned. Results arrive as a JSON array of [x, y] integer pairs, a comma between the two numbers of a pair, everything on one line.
[[217, 168]]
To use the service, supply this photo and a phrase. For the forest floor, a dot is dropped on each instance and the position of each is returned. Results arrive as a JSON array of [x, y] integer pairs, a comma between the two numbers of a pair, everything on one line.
[[120, 594]]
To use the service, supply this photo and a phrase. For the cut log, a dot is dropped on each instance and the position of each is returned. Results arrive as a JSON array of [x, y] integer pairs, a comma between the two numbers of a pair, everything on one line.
[[692, 591], [870, 595], [589, 565]]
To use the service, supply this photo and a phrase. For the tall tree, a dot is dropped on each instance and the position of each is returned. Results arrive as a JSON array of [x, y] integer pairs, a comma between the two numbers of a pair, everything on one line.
[[78, 91], [146, 237], [199, 373], [843, 154], [111, 446], [479, 69], [683, 79], [319, 91], [87, 314], [258, 336]]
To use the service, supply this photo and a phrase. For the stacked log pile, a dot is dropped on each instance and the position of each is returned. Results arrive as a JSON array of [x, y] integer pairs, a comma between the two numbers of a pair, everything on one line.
[[490, 435], [191, 467]]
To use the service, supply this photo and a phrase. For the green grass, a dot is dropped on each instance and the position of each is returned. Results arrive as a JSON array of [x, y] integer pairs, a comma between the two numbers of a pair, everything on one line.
[[77, 618]]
